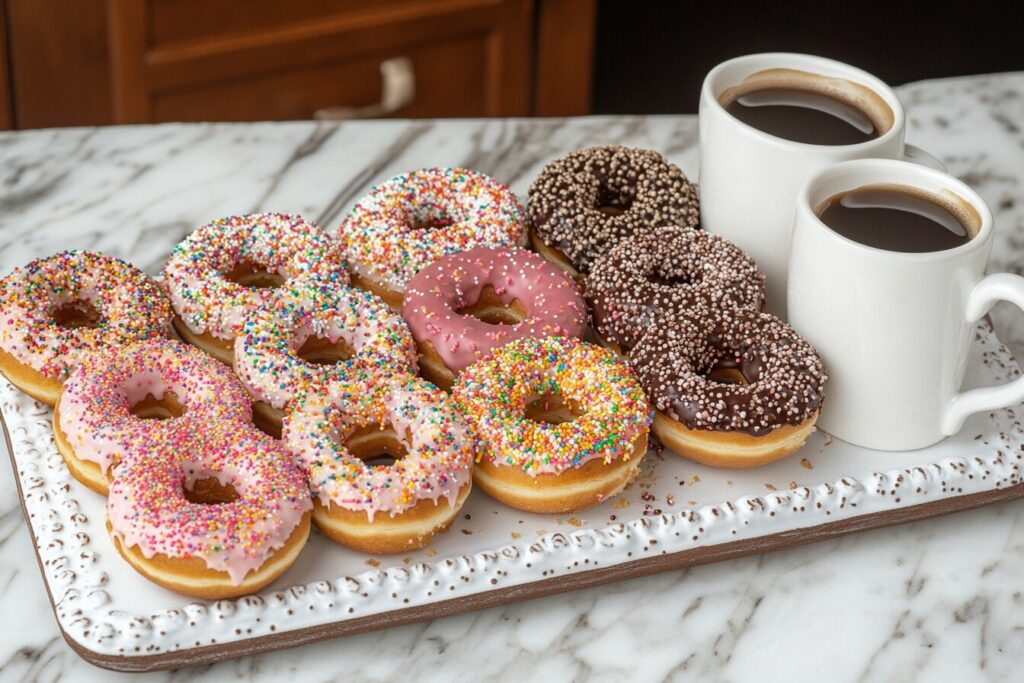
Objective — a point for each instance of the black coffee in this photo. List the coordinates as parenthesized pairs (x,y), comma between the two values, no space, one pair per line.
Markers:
(803,116)
(895,219)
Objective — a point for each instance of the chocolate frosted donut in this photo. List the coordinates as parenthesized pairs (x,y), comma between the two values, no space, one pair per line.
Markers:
(581,205)
(739,391)
(668,272)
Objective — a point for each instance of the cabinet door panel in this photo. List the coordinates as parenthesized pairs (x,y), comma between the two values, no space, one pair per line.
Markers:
(181,21)
(449,81)
(472,58)
(59,67)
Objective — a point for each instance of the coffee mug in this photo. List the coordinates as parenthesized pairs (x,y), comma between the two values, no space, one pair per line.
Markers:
(894,328)
(749,179)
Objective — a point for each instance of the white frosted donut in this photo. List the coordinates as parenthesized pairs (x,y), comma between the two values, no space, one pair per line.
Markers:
(413,219)
(574,456)
(56,311)
(211,308)
(390,508)
(266,353)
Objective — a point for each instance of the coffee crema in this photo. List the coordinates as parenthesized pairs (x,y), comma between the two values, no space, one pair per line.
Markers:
(900,218)
(808,108)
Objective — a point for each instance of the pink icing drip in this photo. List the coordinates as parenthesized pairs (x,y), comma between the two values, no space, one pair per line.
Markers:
(147,507)
(95,404)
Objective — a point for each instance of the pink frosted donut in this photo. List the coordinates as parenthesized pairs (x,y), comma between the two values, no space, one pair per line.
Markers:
(204,272)
(410,221)
(94,423)
(55,311)
(390,508)
(213,513)
(507,283)
(267,353)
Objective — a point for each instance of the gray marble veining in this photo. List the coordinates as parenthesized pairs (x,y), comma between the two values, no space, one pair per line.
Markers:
(936,600)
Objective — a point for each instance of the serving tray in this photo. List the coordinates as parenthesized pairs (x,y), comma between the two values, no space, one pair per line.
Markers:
(675,514)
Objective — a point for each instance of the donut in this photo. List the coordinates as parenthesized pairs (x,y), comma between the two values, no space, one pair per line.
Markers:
(312,335)
(742,391)
(581,205)
(464,305)
(117,399)
(212,513)
(56,311)
(667,272)
(382,508)
(218,276)
(412,220)
(561,424)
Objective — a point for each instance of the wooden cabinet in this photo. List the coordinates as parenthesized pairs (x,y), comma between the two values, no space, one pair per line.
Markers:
(6,108)
(138,61)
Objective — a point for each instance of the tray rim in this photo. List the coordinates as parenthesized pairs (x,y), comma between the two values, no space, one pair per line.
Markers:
(951,499)
(209,654)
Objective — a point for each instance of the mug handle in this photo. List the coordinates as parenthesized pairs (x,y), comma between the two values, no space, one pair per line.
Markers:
(919,156)
(988,292)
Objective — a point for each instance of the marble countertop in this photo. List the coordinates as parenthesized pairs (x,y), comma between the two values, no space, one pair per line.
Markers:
(936,600)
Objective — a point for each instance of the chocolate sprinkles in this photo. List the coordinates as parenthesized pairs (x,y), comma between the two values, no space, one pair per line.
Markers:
(783,377)
(668,272)
(586,202)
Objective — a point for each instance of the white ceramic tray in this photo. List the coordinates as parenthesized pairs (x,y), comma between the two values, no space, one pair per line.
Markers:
(675,514)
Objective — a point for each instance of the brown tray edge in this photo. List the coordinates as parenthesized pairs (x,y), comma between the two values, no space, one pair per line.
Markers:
(594,577)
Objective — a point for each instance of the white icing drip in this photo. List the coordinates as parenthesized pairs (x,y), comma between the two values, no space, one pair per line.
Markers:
(438,443)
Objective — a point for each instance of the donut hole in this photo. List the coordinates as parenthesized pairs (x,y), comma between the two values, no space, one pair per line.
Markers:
(428,217)
(267,419)
(74,315)
(490,309)
(376,445)
(550,408)
(166,407)
(722,374)
(323,351)
(209,491)
(614,202)
(382,460)
(254,276)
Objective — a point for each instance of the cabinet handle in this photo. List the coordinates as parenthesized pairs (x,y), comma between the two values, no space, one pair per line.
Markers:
(398,89)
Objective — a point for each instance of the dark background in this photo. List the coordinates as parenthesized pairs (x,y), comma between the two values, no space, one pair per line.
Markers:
(651,57)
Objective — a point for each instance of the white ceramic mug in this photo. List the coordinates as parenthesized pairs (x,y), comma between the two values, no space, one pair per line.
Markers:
(749,179)
(894,328)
